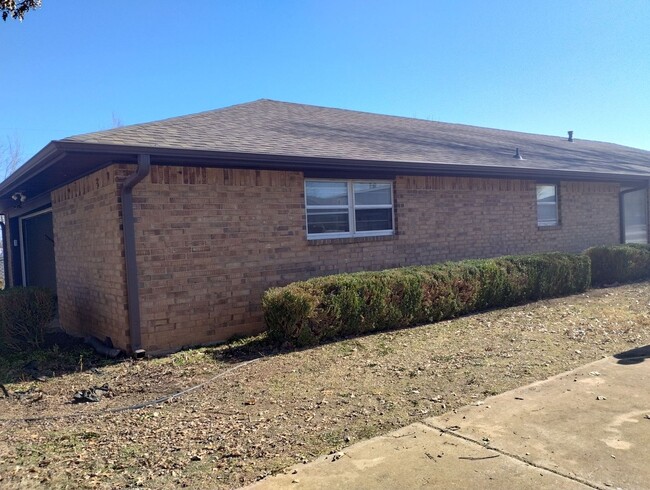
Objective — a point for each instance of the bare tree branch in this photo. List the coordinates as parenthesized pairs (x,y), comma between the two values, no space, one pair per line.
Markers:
(117,121)
(11,156)
(17,9)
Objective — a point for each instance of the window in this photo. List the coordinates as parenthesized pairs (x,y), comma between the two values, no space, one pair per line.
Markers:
(547,214)
(348,208)
(635,215)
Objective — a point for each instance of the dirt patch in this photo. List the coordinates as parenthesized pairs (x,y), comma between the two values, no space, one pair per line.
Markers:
(287,407)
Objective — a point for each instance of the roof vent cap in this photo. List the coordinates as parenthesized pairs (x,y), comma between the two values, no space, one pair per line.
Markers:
(570,133)
(517,155)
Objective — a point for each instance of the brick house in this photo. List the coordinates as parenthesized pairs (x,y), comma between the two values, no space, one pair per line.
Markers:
(166,234)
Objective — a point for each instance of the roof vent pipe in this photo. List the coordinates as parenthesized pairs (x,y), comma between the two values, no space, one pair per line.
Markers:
(517,155)
(570,133)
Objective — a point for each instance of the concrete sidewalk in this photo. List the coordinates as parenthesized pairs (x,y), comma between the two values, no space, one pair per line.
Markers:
(587,428)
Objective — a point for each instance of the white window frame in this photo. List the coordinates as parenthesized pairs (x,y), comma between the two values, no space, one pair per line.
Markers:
(556,204)
(351,206)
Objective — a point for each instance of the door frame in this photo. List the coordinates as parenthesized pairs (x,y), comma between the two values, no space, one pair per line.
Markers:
(22,240)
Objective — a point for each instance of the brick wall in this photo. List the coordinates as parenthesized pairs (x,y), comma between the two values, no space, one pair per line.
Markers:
(89,256)
(444,218)
(210,241)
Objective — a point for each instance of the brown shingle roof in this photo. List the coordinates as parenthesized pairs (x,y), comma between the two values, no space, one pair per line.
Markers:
(278,128)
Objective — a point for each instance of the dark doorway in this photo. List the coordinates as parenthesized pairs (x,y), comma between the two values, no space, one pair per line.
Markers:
(37,239)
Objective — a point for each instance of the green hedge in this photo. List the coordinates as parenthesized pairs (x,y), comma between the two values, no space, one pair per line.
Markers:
(25,313)
(306,313)
(619,263)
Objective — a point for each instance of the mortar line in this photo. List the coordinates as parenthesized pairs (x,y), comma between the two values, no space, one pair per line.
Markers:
(515,456)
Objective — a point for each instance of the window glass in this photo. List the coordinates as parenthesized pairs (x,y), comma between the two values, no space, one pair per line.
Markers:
(345,208)
(547,205)
(635,217)
(372,194)
(327,193)
(374,219)
(546,215)
(546,193)
(327,220)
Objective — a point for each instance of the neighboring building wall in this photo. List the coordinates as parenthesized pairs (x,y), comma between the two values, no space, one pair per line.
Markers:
(210,241)
(89,256)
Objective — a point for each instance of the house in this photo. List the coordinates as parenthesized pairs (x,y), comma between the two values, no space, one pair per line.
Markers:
(166,234)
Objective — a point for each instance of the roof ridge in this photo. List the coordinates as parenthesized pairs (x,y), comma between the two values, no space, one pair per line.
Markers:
(379,115)
(268,126)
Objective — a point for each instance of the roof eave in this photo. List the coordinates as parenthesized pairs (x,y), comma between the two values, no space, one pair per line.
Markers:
(46,157)
(299,163)
(58,150)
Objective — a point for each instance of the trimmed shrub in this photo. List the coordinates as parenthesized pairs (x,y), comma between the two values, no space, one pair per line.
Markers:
(308,312)
(551,275)
(619,263)
(25,313)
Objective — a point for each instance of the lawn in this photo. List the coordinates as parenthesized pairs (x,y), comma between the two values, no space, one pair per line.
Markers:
(262,409)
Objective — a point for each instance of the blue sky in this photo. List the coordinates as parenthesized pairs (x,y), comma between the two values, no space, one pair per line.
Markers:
(535,66)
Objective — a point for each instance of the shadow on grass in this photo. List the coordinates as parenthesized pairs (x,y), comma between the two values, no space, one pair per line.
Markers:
(633,356)
(61,355)
(259,346)
(247,348)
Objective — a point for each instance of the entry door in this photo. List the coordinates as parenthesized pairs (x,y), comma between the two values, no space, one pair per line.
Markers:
(37,240)
(635,216)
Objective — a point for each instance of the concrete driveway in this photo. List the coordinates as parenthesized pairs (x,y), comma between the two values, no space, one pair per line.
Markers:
(587,428)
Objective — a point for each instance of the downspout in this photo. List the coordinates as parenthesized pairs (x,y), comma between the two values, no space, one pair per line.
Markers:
(128,229)
(5,259)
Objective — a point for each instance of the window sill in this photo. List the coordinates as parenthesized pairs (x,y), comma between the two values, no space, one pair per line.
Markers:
(549,227)
(344,240)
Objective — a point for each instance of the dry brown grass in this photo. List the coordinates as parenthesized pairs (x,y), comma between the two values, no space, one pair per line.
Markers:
(293,406)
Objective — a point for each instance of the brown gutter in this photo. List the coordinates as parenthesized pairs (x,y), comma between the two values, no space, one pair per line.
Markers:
(57,152)
(5,260)
(128,229)
(261,161)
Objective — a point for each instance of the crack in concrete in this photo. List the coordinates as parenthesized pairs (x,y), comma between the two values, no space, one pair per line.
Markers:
(576,479)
